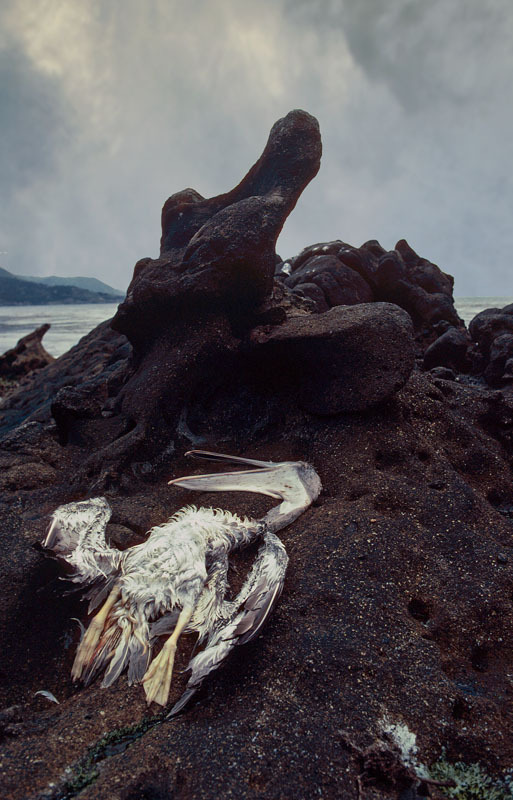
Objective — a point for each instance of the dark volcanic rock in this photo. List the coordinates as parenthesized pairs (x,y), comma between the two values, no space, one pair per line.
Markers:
(492,330)
(216,268)
(192,359)
(220,253)
(347,359)
(508,370)
(371,273)
(443,372)
(501,351)
(28,355)
(72,405)
(315,293)
(423,272)
(339,284)
(489,324)
(416,285)
(449,350)
(99,360)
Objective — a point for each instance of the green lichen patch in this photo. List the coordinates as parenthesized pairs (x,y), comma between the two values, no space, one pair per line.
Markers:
(471,782)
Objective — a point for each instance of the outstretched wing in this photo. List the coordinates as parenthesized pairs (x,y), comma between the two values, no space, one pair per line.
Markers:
(244,617)
(77,535)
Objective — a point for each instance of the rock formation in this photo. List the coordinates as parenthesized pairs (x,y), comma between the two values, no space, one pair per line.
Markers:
(335,273)
(492,331)
(347,359)
(99,363)
(188,316)
(26,356)
(395,618)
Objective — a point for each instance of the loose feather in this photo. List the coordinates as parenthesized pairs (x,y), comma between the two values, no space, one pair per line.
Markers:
(47,695)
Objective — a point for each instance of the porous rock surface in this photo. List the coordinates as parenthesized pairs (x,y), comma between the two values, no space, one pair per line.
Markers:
(492,331)
(397,605)
(336,273)
(347,359)
(398,600)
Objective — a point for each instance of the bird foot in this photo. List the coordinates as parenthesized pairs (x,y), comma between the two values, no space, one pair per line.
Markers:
(157,680)
(86,648)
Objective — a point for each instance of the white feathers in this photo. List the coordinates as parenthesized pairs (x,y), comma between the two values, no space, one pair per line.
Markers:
(77,535)
(240,620)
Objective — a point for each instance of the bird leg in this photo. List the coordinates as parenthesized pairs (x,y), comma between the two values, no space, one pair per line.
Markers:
(87,646)
(157,680)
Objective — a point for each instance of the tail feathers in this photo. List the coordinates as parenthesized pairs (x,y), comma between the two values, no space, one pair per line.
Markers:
(118,660)
(139,657)
(124,643)
(102,655)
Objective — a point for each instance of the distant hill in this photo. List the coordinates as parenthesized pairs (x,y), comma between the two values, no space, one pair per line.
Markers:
(92,284)
(15,291)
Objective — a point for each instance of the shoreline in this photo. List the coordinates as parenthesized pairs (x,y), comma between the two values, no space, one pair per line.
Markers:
(19,320)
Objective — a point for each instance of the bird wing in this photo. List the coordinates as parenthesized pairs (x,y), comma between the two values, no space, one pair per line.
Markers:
(76,534)
(244,617)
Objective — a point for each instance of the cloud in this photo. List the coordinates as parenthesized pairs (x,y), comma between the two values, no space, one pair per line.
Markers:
(36,129)
(112,106)
(33,122)
(426,132)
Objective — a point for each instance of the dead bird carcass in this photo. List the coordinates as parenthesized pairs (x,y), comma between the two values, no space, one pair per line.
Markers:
(176,581)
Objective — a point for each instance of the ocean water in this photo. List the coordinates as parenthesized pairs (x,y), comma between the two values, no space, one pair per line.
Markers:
(468,307)
(68,323)
(71,322)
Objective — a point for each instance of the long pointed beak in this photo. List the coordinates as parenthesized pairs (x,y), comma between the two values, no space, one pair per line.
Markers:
(248,480)
(208,456)
(294,483)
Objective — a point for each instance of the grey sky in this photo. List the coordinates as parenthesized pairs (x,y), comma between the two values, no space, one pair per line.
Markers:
(110,106)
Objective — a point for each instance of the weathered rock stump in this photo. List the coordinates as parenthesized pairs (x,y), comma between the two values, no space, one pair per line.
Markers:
(26,356)
(218,254)
(185,311)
